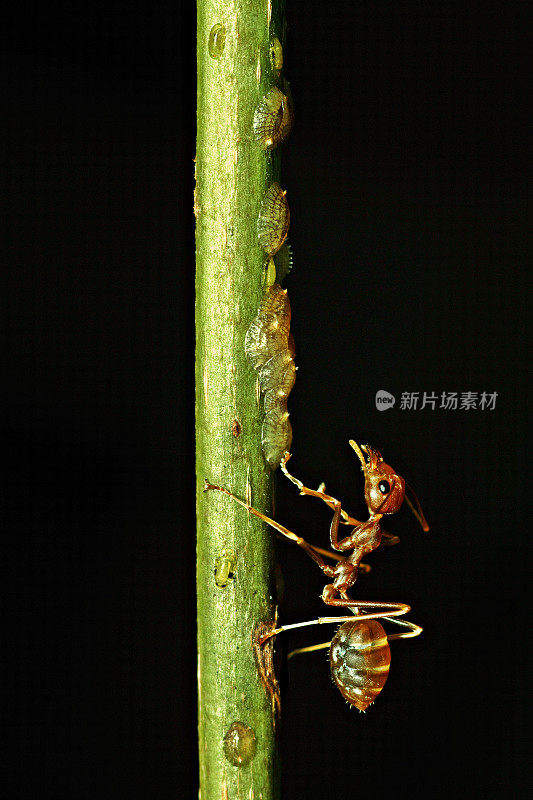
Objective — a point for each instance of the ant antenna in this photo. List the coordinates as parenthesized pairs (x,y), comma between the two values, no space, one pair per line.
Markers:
(417,511)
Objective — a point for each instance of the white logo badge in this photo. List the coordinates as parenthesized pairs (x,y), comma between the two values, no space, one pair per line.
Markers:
(384,400)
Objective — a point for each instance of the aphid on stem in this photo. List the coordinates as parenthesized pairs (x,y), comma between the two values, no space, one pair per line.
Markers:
(283,261)
(273,119)
(274,219)
(276,55)
(270,348)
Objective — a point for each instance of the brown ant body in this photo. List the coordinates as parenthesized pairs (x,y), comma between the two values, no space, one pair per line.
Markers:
(359,652)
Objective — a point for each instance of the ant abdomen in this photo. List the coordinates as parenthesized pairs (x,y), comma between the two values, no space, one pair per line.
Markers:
(360,659)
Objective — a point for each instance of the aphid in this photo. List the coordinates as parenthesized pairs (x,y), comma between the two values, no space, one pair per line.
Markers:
(274,219)
(269,332)
(283,261)
(277,377)
(240,744)
(217,40)
(276,434)
(273,119)
(384,494)
(224,568)
(276,55)
(270,348)
(270,277)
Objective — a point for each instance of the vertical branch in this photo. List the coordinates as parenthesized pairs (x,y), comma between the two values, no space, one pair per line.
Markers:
(232,172)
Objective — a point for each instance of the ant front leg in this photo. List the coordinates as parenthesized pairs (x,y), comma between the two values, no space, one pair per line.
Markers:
(361,530)
(320,493)
(389,539)
(309,549)
(348,542)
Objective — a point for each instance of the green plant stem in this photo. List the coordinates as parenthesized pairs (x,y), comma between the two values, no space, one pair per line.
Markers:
(232,174)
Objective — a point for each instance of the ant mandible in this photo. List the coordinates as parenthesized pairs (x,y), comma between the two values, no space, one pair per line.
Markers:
(359,651)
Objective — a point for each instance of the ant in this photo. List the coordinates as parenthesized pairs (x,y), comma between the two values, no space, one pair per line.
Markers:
(359,652)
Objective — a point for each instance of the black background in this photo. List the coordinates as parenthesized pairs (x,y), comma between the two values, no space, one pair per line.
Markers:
(406,179)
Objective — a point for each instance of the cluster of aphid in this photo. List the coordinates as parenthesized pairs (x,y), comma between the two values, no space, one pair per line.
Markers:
(359,652)
(270,347)
(269,344)
(274,116)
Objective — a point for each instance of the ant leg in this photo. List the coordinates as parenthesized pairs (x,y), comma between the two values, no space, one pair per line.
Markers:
(309,549)
(326,498)
(413,630)
(389,539)
(388,612)
(330,554)
(345,519)
(274,631)
(388,609)
(347,543)
(310,649)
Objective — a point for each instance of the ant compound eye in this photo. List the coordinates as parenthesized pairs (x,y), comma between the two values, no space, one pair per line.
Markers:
(384,487)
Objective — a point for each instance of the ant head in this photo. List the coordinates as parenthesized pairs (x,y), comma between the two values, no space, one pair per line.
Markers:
(384,488)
